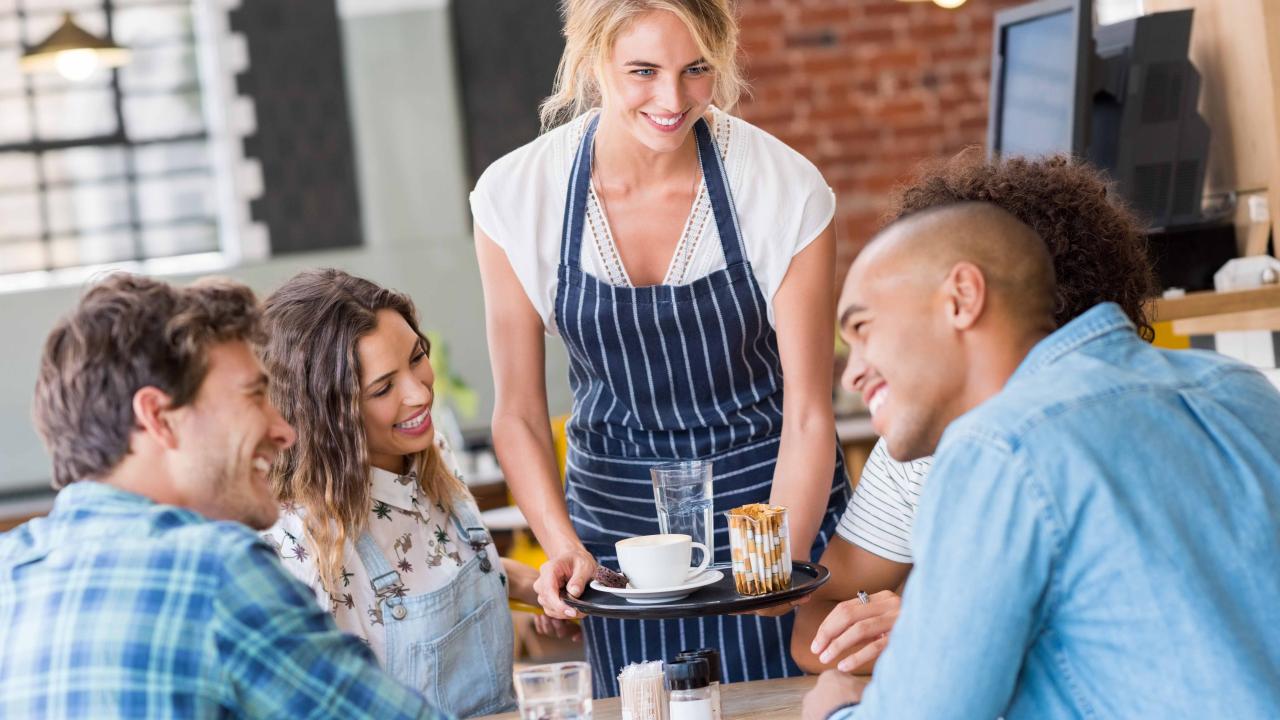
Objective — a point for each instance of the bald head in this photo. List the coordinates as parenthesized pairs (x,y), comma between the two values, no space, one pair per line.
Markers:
(938,311)
(925,247)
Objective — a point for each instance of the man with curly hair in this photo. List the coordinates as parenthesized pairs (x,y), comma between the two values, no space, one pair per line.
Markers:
(1099,254)
(1099,532)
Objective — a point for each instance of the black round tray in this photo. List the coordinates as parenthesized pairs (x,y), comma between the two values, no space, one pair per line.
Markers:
(720,598)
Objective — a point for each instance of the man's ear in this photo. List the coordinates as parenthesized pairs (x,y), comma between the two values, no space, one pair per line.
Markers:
(966,295)
(152,415)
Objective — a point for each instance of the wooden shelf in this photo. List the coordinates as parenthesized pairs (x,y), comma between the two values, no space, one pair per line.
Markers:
(1204,304)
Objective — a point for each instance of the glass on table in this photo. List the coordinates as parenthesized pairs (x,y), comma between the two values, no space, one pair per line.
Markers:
(559,691)
(683,494)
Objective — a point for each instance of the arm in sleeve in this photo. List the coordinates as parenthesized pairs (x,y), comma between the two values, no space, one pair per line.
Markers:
(881,513)
(985,540)
(284,657)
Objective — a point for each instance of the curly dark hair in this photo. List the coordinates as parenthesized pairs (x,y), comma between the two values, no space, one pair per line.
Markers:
(129,332)
(1098,245)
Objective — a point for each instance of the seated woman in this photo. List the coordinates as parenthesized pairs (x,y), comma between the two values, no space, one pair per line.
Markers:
(374,517)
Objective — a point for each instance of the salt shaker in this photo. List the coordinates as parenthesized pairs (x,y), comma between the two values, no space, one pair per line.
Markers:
(712,656)
(689,683)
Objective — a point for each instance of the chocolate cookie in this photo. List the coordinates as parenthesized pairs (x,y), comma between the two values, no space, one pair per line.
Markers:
(610,578)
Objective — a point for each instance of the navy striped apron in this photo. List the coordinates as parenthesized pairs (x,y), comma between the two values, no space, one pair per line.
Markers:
(666,373)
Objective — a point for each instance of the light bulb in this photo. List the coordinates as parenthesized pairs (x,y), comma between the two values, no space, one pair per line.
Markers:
(948,4)
(76,65)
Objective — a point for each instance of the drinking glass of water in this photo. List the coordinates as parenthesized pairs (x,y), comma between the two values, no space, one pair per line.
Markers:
(560,691)
(682,491)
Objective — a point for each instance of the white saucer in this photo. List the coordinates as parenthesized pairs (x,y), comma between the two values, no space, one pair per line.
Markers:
(661,595)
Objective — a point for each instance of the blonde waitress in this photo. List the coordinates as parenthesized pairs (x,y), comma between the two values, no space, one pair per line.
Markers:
(685,258)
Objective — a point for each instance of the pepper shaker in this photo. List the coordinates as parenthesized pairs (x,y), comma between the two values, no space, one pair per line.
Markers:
(688,683)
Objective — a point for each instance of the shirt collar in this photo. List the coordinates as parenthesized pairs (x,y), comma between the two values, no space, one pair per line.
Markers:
(99,497)
(1097,322)
(396,490)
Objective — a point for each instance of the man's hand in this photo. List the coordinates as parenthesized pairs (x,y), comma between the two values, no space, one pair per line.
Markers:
(834,689)
(569,571)
(856,634)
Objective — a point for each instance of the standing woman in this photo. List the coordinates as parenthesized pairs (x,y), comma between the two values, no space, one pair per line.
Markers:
(375,519)
(686,260)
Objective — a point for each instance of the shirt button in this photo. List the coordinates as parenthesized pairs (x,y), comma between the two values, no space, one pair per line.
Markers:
(398,612)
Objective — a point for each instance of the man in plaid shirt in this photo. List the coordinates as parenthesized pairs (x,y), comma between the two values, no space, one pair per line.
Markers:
(146,592)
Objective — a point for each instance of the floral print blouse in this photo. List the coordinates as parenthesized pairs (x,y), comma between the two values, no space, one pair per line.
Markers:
(416,536)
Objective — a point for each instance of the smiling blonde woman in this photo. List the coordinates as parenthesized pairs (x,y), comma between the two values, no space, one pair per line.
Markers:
(684,258)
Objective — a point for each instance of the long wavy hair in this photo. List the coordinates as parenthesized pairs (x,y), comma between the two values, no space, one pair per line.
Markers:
(314,322)
(592,26)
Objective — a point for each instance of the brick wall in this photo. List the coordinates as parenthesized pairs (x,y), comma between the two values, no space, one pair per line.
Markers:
(867,89)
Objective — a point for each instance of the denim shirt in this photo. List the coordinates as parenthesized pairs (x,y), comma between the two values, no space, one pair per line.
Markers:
(1100,539)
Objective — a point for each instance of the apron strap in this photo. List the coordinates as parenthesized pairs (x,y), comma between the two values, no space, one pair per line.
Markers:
(713,173)
(575,204)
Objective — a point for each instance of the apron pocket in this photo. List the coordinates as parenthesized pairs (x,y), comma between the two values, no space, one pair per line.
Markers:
(456,671)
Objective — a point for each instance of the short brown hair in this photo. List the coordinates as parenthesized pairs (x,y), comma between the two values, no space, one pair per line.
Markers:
(1098,245)
(127,333)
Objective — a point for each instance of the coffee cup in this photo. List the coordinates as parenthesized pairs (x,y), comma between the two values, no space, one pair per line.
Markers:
(651,562)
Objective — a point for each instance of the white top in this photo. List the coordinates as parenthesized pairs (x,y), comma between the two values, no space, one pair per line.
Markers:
(418,539)
(882,511)
(783,204)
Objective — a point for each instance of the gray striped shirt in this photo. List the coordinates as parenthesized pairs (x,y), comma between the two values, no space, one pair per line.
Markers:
(879,517)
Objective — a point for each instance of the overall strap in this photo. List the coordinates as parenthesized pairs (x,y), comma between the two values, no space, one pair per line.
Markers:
(472,531)
(575,205)
(713,173)
(381,575)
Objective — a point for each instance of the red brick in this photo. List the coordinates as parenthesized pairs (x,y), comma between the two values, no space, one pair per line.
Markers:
(887,8)
(894,60)
(838,14)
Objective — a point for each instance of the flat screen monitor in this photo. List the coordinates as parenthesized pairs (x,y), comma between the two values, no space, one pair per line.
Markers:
(1040,74)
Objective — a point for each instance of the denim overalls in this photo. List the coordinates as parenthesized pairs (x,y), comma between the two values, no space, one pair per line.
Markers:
(454,645)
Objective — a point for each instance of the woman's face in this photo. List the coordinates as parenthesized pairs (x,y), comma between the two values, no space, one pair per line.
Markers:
(656,82)
(395,392)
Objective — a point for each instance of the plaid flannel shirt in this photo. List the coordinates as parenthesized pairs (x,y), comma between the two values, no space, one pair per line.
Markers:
(116,607)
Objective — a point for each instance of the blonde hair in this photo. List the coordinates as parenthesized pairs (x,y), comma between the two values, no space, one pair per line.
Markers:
(314,322)
(592,26)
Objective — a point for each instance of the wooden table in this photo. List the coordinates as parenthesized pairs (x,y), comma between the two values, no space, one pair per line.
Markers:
(759,700)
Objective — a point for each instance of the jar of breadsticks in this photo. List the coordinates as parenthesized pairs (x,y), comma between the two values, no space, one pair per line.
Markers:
(760,543)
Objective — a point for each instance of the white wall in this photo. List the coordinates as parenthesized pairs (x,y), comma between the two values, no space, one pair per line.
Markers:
(413,186)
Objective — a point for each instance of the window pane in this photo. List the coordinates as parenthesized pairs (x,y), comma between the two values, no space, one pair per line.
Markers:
(84,163)
(21,256)
(92,249)
(10,76)
(162,116)
(160,68)
(174,198)
(17,171)
(15,123)
(21,213)
(88,207)
(171,157)
(79,114)
(180,239)
(8,29)
(150,25)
